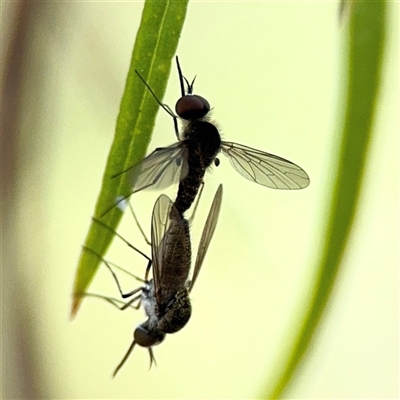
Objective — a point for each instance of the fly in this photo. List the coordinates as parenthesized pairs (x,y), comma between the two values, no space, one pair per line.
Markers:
(165,297)
(197,148)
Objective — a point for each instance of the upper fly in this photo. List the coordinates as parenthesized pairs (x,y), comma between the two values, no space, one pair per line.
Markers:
(199,143)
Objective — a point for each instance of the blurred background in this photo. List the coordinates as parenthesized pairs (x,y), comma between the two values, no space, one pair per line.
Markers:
(271,72)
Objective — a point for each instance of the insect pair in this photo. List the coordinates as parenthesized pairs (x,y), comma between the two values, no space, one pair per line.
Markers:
(165,297)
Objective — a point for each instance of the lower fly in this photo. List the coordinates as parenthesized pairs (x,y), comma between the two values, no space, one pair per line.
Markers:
(165,297)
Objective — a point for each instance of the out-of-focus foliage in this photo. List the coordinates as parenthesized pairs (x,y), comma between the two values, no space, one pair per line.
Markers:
(364,48)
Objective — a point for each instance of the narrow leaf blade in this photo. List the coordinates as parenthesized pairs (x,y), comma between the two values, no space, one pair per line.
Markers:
(155,45)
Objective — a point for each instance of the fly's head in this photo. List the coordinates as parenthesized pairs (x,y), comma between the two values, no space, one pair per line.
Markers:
(192,106)
(146,337)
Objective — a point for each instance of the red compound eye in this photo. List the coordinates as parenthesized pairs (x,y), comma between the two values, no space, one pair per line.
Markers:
(192,107)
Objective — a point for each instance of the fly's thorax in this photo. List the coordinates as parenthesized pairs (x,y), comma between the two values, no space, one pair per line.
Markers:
(203,142)
(177,313)
(148,299)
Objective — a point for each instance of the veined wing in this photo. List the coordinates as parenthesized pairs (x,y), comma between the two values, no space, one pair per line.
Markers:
(264,168)
(160,169)
(167,231)
(206,236)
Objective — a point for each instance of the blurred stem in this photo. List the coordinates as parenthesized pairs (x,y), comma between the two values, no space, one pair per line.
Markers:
(21,377)
(365,43)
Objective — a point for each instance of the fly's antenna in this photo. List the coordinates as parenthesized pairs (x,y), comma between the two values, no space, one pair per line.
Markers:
(126,356)
(181,77)
(190,85)
(128,353)
(152,358)
(162,105)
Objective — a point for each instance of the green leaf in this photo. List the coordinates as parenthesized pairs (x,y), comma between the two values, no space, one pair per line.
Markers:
(365,43)
(155,45)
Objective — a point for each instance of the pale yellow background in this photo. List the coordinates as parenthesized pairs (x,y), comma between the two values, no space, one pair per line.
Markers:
(271,72)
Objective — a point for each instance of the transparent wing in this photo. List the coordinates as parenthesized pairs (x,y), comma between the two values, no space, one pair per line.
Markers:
(160,169)
(208,232)
(160,222)
(264,168)
(167,227)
